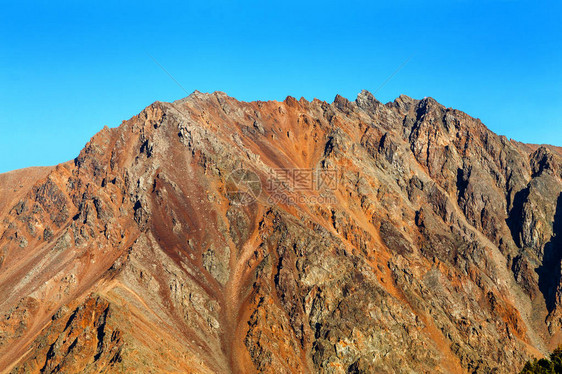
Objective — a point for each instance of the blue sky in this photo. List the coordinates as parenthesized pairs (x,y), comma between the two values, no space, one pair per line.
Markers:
(68,68)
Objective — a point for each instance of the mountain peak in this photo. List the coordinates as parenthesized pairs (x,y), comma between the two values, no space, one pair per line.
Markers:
(217,235)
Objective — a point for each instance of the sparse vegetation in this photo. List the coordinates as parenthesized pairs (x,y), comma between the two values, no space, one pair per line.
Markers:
(545,366)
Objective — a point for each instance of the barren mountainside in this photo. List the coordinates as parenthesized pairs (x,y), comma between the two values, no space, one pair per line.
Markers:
(211,235)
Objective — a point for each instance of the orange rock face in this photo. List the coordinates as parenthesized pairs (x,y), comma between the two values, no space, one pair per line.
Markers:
(210,235)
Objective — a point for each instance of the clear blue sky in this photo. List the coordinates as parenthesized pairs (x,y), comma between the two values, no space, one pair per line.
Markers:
(67,68)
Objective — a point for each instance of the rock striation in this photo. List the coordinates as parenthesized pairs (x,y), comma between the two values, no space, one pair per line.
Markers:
(437,249)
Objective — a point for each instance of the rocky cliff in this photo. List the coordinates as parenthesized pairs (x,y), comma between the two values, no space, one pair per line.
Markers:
(211,235)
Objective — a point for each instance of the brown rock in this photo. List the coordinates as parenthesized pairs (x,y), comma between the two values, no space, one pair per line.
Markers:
(437,250)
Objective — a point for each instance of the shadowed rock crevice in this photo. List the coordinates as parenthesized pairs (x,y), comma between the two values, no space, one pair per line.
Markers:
(550,276)
(515,217)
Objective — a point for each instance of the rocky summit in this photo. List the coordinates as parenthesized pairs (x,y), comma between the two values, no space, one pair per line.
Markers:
(211,235)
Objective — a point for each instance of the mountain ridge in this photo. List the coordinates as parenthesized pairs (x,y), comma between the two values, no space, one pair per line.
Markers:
(444,230)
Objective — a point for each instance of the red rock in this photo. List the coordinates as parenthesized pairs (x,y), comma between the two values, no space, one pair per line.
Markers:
(435,252)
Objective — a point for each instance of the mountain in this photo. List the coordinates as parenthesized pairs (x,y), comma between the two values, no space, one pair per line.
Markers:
(211,235)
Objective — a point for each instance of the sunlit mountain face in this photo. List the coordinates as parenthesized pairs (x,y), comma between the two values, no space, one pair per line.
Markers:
(211,235)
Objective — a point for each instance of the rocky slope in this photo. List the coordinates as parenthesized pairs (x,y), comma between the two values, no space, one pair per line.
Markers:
(210,235)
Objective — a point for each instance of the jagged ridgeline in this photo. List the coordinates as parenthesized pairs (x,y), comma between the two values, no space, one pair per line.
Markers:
(211,235)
